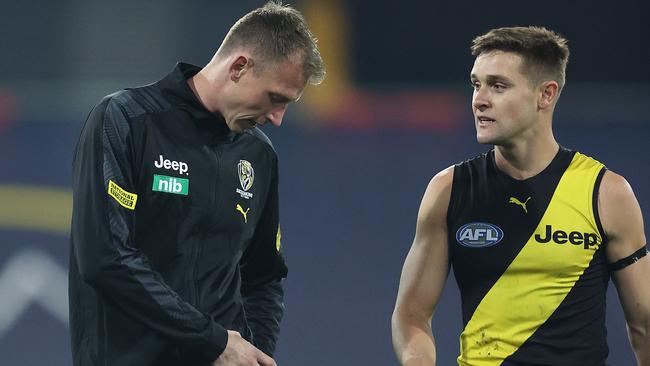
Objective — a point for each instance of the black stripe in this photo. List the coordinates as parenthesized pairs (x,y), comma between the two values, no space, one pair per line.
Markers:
(575,333)
(631,259)
(595,205)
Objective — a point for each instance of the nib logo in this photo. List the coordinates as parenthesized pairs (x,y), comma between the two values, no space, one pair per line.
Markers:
(163,183)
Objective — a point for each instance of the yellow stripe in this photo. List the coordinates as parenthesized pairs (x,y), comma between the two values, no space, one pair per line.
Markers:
(44,209)
(278,239)
(539,278)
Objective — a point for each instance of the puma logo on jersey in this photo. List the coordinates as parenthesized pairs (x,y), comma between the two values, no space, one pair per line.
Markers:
(179,166)
(244,213)
(519,203)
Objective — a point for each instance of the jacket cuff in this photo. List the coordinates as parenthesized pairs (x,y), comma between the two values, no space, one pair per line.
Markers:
(216,344)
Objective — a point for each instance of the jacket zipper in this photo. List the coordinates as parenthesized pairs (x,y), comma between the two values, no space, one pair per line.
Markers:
(196,251)
(196,255)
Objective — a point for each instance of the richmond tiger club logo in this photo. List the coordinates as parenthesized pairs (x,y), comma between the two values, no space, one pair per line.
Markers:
(246,175)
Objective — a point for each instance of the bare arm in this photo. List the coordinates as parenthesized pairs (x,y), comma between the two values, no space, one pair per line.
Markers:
(623,223)
(423,277)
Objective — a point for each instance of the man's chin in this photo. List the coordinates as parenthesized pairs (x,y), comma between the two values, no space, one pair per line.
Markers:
(247,124)
(242,126)
(484,140)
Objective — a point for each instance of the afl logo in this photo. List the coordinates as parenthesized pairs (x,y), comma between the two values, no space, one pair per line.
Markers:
(479,235)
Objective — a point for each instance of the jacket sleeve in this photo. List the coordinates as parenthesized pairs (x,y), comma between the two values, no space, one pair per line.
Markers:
(263,268)
(102,242)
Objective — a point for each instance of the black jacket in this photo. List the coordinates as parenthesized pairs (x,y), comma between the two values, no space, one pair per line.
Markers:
(175,232)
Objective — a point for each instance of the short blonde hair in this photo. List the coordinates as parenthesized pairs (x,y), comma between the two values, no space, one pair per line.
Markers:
(276,32)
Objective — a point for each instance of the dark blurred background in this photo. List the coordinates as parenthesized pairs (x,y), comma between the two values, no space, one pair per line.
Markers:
(356,154)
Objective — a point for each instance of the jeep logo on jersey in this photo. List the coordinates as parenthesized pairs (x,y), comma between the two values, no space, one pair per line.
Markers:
(179,166)
(246,174)
(163,183)
(479,235)
(587,240)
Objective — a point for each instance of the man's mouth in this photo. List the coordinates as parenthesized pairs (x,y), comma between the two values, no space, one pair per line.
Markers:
(483,120)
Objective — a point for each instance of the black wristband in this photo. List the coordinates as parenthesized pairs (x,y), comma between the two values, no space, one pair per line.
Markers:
(631,259)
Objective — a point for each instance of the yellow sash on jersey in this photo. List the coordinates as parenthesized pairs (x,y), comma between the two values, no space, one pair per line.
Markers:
(541,275)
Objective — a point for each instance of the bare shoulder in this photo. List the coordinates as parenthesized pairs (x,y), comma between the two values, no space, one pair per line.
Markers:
(620,215)
(441,182)
(615,199)
(436,198)
(614,186)
(444,176)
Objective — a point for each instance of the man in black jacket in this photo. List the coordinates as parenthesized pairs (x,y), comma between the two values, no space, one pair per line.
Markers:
(175,240)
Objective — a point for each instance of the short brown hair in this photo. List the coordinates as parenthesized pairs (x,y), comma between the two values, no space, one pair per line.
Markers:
(276,32)
(544,52)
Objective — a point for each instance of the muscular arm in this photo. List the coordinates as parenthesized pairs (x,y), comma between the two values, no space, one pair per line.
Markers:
(423,277)
(623,224)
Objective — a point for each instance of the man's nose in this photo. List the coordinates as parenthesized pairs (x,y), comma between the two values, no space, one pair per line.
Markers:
(480,99)
(276,114)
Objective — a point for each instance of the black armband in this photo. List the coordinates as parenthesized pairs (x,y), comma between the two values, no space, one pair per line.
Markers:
(631,259)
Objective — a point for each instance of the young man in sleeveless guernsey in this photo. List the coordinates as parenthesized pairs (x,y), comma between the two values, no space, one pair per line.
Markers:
(532,230)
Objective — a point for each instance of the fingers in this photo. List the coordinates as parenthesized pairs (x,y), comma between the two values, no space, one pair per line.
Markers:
(265,360)
(239,352)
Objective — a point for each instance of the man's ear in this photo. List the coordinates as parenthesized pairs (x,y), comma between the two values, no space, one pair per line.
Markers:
(548,94)
(239,67)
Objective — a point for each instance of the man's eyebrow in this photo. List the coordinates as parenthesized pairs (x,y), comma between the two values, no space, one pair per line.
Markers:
(280,98)
(491,79)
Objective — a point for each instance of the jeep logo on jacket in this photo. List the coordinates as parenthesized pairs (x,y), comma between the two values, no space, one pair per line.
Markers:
(179,166)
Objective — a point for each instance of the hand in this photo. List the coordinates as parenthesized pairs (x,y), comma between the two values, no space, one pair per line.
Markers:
(239,352)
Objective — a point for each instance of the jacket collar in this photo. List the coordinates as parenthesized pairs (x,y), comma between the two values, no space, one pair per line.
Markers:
(175,87)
